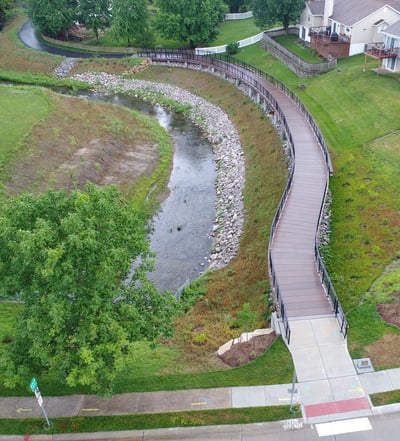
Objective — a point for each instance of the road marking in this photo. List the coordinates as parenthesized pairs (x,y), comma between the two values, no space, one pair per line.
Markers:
(345,426)
(21,409)
(357,389)
(200,403)
(90,410)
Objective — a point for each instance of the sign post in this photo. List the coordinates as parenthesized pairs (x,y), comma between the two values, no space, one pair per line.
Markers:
(35,389)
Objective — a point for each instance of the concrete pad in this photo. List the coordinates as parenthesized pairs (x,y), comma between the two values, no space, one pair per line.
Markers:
(374,382)
(302,334)
(93,405)
(308,363)
(313,392)
(68,406)
(251,396)
(19,407)
(150,402)
(346,388)
(394,376)
(326,331)
(123,404)
(280,394)
(336,360)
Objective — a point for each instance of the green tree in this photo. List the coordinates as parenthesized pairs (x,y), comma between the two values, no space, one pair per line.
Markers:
(130,20)
(52,17)
(238,5)
(192,21)
(5,9)
(66,255)
(270,12)
(96,14)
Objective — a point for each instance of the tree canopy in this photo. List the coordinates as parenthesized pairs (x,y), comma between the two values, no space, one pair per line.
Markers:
(52,16)
(66,256)
(5,8)
(131,21)
(192,21)
(270,12)
(96,14)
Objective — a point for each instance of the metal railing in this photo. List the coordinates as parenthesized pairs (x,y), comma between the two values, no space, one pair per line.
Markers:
(326,280)
(252,76)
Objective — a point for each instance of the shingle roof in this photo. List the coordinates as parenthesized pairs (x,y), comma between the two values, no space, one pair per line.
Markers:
(394,29)
(350,12)
(316,7)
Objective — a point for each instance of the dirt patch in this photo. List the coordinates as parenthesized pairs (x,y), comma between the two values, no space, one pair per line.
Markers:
(82,142)
(385,352)
(390,312)
(242,353)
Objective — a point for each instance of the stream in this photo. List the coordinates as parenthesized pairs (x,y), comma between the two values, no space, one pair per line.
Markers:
(182,228)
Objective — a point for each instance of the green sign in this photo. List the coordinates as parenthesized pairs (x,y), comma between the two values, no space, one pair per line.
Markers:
(33,384)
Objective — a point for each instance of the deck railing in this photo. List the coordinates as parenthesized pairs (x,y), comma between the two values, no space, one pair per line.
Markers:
(240,71)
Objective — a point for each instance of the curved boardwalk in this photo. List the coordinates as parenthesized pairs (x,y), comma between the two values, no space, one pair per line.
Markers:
(294,239)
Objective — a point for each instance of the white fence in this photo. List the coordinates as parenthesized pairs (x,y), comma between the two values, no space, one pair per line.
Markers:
(240,16)
(222,49)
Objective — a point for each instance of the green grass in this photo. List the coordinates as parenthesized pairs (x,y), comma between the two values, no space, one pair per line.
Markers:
(295,45)
(273,367)
(235,30)
(146,421)
(383,398)
(20,110)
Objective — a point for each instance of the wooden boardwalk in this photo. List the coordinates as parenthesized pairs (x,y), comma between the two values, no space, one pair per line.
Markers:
(292,248)
(293,244)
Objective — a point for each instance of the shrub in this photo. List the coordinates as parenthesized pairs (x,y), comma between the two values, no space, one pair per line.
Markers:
(232,48)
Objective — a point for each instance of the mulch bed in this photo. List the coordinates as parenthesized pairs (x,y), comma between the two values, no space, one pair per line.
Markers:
(242,353)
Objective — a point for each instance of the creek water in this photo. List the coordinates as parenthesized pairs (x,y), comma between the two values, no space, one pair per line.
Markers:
(181,233)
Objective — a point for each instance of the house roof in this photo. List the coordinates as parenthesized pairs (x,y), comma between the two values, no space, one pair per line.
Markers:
(350,12)
(393,30)
(316,7)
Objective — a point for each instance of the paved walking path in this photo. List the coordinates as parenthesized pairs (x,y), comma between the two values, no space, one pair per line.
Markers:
(323,392)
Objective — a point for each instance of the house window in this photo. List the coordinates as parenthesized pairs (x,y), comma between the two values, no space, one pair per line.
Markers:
(309,18)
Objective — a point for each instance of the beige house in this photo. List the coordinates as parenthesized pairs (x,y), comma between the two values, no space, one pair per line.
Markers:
(392,40)
(329,24)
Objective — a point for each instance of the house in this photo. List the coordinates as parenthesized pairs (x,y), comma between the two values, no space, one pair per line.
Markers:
(392,41)
(341,28)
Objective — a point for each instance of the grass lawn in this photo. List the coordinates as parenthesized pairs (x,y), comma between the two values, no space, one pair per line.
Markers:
(295,45)
(20,110)
(147,421)
(235,30)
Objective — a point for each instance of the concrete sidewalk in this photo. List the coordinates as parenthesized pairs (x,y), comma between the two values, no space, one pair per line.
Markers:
(306,393)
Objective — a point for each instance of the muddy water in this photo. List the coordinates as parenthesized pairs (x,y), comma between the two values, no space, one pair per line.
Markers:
(182,228)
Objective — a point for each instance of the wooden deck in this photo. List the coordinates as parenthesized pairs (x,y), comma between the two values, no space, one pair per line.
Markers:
(294,239)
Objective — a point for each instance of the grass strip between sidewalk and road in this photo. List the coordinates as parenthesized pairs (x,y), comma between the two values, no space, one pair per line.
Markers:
(146,421)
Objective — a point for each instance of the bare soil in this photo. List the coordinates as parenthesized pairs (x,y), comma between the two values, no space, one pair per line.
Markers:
(390,312)
(385,352)
(242,353)
(82,141)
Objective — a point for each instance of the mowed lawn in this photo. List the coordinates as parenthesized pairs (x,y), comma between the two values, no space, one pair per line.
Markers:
(20,110)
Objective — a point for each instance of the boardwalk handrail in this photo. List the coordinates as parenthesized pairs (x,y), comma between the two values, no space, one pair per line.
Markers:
(326,280)
(244,72)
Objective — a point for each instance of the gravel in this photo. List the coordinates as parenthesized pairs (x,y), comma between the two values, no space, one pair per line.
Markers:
(228,153)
